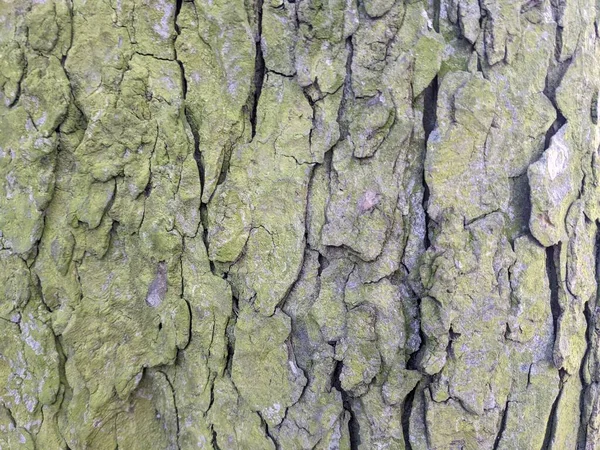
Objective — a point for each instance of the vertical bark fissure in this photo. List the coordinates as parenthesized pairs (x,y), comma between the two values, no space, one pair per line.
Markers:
(259,67)
(406,412)
(556,72)
(552,274)
(583,399)
(347,93)
(552,418)
(590,318)
(183,296)
(214,442)
(197,153)
(436,15)
(502,426)
(429,124)
(353,425)
(230,335)
(557,7)
(172,389)
(268,433)
(430,107)
(187,112)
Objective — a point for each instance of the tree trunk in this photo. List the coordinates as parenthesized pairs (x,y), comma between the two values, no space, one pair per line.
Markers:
(299,224)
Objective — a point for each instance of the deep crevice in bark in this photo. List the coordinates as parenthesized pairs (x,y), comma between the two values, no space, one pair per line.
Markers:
(225,165)
(552,273)
(556,72)
(556,125)
(552,418)
(230,335)
(214,441)
(590,318)
(204,223)
(583,423)
(195,135)
(554,76)
(268,432)
(594,107)
(406,412)
(347,93)
(353,425)
(502,426)
(259,67)
(430,96)
(189,306)
(558,8)
(436,15)
(430,107)
(187,113)
(415,359)
(178,5)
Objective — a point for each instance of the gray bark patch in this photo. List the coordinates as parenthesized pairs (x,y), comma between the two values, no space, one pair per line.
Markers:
(158,287)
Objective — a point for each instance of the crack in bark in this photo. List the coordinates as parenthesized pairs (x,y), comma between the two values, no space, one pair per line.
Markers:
(353,425)
(259,68)
(552,418)
(405,417)
(268,432)
(174,406)
(214,441)
(347,92)
(229,332)
(502,426)
(552,274)
(430,96)
(590,318)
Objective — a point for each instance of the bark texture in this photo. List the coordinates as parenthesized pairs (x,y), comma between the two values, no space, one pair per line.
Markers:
(299,224)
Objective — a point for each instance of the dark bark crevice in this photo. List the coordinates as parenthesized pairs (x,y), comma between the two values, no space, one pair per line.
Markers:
(259,68)
(552,274)
(502,426)
(353,425)
(430,97)
(556,125)
(590,334)
(406,412)
(214,441)
(347,93)
(552,418)
(268,433)
(230,335)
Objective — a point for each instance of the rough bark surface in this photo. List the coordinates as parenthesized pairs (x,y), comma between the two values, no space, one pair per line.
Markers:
(299,224)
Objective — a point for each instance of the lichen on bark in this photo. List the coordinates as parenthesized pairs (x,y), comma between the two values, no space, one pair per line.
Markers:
(299,224)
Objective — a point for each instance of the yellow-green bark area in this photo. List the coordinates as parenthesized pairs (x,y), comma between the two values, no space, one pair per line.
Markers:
(299,224)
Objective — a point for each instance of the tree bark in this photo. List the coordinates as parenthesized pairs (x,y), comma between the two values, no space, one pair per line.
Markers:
(299,224)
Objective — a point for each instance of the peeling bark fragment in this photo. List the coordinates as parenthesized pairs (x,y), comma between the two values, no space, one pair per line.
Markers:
(277,39)
(266,375)
(11,69)
(456,163)
(553,181)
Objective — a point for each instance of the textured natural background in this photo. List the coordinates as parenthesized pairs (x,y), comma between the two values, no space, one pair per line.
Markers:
(309,224)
